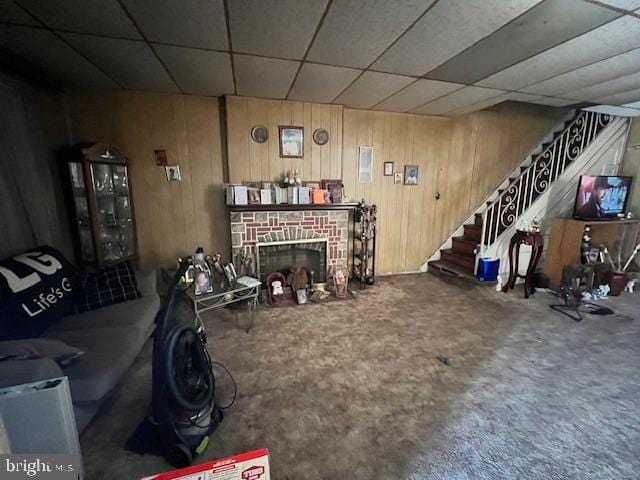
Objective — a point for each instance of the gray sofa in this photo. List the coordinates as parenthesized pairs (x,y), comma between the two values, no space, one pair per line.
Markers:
(111,338)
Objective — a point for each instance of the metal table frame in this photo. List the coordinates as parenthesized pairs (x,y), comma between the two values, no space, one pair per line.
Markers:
(216,299)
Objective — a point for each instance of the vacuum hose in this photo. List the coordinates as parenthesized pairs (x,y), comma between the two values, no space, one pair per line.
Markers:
(189,377)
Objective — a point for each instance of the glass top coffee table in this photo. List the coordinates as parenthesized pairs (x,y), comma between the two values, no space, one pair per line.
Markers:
(247,289)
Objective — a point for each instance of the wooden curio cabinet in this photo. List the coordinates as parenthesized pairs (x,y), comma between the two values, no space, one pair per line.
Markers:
(101,202)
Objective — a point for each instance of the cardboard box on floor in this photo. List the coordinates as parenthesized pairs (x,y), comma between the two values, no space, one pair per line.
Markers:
(246,466)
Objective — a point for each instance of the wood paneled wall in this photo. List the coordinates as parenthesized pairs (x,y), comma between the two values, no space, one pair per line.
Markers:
(249,160)
(462,158)
(172,218)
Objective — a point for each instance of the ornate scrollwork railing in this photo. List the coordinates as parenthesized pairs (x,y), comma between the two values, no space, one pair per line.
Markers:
(543,171)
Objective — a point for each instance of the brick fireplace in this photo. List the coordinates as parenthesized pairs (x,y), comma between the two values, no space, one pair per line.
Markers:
(298,227)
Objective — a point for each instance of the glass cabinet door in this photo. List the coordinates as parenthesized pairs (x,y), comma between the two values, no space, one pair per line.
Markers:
(111,186)
(82,211)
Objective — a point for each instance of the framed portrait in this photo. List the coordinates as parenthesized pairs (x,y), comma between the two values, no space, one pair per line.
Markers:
(411,174)
(397,177)
(173,173)
(333,189)
(388,169)
(291,141)
(365,164)
(230,273)
(312,184)
(203,282)
(301,296)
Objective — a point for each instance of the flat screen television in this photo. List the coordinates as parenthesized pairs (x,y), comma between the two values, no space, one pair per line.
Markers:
(601,197)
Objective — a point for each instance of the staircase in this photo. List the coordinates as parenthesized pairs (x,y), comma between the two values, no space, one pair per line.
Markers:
(520,189)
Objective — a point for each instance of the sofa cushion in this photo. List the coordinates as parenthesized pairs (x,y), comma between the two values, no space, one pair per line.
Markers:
(107,286)
(36,290)
(31,348)
(109,354)
(137,314)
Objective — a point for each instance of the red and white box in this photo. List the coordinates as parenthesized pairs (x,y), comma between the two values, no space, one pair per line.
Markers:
(246,466)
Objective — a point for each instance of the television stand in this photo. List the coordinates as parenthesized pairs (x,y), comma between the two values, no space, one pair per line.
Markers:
(565,242)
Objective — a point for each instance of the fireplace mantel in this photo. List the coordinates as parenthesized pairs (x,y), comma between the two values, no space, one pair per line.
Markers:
(291,207)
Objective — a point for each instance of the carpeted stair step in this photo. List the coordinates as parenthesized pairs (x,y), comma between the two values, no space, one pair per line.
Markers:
(472,233)
(448,270)
(478,219)
(464,262)
(464,247)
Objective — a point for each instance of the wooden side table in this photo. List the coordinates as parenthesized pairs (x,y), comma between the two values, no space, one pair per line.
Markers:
(536,241)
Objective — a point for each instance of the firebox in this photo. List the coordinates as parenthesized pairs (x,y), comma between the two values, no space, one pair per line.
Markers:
(280,256)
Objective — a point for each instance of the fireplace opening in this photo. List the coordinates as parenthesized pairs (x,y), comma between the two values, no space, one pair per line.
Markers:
(281,256)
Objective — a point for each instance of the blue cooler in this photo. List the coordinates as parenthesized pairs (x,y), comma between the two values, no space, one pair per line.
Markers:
(488,269)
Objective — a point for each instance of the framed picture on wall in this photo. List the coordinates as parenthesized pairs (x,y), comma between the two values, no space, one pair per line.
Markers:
(388,169)
(411,174)
(397,177)
(291,141)
(365,164)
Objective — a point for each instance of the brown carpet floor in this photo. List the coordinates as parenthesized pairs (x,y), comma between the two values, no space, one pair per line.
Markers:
(353,389)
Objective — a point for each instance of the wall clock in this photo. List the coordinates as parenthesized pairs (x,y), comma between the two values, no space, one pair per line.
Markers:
(260,134)
(320,136)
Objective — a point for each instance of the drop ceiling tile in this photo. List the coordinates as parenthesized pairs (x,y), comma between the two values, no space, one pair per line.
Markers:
(10,12)
(355,37)
(263,77)
(457,100)
(275,28)
(509,96)
(546,25)
(321,83)
(612,110)
(554,102)
(621,98)
(611,39)
(605,89)
(416,94)
(624,4)
(200,72)
(371,88)
(446,30)
(602,71)
(191,23)
(133,64)
(52,56)
(101,17)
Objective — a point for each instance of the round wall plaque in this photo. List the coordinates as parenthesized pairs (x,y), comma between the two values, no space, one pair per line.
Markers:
(320,136)
(260,134)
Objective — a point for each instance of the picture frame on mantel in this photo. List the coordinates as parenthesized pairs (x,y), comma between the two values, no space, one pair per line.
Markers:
(291,140)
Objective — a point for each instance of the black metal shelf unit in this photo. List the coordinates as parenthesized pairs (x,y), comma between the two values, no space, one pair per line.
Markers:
(364,244)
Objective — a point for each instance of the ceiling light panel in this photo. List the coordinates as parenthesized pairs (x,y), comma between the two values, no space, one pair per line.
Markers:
(546,25)
(275,28)
(371,88)
(446,30)
(98,17)
(355,34)
(321,83)
(417,94)
(191,23)
(611,39)
(263,77)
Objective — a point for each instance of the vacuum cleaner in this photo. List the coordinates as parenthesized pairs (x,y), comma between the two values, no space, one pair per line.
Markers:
(184,410)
